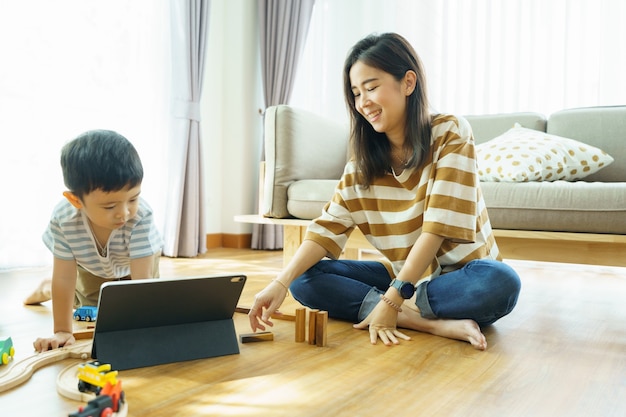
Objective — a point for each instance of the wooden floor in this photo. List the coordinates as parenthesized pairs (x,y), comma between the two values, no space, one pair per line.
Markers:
(562,352)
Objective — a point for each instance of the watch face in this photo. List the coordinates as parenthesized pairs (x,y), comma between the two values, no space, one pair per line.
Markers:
(407,290)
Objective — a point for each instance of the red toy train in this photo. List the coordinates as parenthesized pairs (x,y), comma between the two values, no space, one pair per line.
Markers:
(108,402)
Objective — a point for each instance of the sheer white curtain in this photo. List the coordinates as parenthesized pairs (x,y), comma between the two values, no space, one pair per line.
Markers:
(481,56)
(70,66)
(184,229)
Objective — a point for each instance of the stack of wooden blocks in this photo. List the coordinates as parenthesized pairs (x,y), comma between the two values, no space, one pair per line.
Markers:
(318,321)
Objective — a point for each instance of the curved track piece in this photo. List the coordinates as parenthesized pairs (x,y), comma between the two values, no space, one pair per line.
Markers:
(67,385)
(21,371)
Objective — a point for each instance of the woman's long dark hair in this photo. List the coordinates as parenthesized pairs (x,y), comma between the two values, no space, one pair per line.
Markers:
(393,54)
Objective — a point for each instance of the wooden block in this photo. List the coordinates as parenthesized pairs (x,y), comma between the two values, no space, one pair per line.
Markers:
(321,322)
(83,334)
(312,320)
(300,324)
(256,337)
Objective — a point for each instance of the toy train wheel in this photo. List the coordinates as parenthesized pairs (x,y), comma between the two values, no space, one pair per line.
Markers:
(121,400)
(107,412)
(5,358)
(12,352)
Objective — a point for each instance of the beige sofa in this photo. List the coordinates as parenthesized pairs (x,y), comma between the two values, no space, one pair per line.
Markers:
(582,221)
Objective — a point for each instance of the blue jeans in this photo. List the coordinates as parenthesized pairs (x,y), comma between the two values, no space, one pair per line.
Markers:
(483,290)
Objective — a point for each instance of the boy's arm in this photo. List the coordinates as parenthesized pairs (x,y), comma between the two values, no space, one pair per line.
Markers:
(63,287)
(142,268)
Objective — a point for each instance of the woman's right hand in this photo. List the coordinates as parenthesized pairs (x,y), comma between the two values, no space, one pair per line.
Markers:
(266,303)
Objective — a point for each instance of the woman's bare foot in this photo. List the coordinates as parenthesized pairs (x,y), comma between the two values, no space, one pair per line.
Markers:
(466,330)
(42,293)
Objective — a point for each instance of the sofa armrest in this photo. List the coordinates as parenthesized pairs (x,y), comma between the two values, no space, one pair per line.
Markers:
(299,145)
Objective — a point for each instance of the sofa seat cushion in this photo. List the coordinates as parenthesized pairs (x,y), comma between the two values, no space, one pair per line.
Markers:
(307,198)
(559,206)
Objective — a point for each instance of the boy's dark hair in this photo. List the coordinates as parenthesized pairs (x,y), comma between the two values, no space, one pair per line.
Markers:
(100,159)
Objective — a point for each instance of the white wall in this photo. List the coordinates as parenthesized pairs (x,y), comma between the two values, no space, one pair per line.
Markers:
(231,125)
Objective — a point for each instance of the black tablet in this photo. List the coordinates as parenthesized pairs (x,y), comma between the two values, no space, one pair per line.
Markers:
(156,321)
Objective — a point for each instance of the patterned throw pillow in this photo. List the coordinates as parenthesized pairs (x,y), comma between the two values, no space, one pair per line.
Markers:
(521,155)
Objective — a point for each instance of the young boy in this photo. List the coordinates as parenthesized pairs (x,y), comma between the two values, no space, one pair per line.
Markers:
(102,231)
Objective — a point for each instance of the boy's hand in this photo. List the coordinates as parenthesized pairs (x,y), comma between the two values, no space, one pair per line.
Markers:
(58,340)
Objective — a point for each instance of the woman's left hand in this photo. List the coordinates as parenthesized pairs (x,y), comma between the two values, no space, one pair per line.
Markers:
(382,323)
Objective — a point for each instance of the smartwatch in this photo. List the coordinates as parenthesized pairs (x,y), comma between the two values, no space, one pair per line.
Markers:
(406,289)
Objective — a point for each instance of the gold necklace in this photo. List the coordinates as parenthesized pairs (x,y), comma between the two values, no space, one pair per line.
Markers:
(402,161)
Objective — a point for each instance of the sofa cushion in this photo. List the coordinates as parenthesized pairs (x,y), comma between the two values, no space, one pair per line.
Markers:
(306,198)
(560,206)
(603,127)
(488,126)
(521,155)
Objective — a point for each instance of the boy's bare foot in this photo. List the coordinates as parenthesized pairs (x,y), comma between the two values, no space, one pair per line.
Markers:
(42,293)
(465,330)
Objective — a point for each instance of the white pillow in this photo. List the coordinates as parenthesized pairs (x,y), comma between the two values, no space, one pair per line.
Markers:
(521,155)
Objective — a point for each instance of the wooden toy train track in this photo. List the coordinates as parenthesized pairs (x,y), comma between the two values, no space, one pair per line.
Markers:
(20,371)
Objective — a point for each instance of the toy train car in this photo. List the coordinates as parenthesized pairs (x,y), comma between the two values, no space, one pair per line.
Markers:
(109,401)
(93,376)
(7,351)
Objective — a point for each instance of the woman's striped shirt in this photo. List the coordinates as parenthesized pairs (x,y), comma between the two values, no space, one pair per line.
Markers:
(442,197)
(69,238)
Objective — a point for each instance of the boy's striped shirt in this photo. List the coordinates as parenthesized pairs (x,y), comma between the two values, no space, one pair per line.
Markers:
(69,238)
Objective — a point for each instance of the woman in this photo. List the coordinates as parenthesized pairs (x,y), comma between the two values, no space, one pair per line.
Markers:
(411,187)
